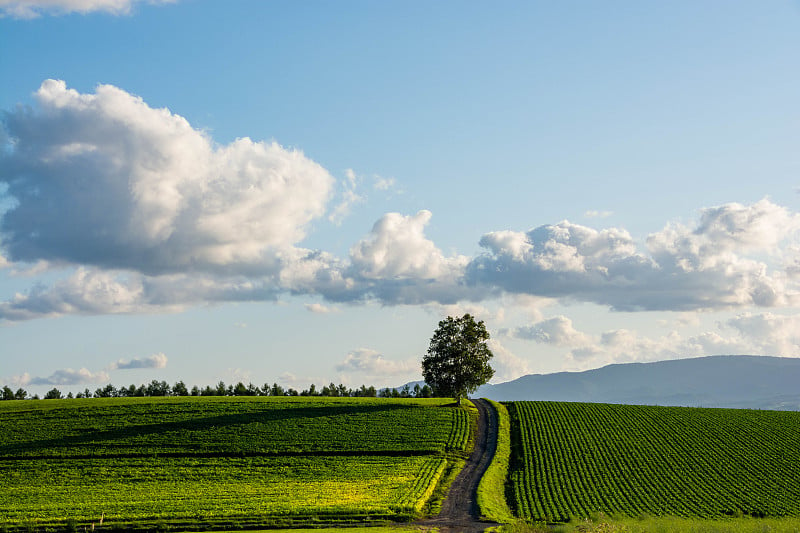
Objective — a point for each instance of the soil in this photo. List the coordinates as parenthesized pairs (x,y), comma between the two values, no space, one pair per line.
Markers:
(459,511)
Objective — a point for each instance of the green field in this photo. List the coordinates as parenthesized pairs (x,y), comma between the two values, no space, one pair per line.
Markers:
(574,460)
(218,461)
(234,462)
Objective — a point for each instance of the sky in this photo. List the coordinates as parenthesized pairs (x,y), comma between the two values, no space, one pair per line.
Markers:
(298,192)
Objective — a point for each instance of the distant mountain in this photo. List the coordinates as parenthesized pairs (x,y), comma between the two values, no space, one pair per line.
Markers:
(737,381)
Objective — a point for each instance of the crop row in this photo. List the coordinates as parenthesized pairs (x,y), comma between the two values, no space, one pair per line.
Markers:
(422,488)
(572,459)
(459,430)
(236,426)
(213,489)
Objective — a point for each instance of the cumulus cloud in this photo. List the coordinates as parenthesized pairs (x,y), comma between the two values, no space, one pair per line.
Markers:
(397,264)
(397,248)
(67,376)
(103,179)
(85,292)
(150,214)
(712,265)
(158,360)
(372,363)
(770,333)
(28,9)
(557,330)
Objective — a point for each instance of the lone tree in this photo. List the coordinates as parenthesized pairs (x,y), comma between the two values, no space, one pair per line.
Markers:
(457,361)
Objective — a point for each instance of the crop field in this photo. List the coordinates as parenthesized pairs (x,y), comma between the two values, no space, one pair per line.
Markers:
(573,460)
(183,461)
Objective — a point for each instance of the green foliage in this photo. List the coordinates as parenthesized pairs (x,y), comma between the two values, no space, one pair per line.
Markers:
(215,489)
(492,488)
(53,394)
(220,460)
(228,425)
(574,460)
(457,361)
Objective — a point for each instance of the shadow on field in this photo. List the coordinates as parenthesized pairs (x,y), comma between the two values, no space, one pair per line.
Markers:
(134,436)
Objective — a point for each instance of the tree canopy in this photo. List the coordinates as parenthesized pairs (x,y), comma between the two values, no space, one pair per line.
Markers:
(457,361)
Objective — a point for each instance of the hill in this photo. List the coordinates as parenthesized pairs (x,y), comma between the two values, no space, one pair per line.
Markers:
(733,381)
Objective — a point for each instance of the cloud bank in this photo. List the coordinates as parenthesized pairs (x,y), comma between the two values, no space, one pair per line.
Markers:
(711,265)
(152,215)
(745,334)
(66,376)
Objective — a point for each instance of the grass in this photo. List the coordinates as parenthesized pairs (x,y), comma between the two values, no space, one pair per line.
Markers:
(153,463)
(227,425)
(492,488)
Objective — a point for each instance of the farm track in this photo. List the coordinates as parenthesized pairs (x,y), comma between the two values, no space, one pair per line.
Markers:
(460,511)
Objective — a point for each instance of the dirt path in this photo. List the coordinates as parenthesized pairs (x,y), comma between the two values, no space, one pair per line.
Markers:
(460,507)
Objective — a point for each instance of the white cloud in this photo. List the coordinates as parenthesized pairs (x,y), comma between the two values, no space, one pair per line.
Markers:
(770,333)
(383,184)
(158,360)
(21,380)
(745,334)
(172,199)
(349,198)
(318,308)
(372,363)
(69,376)
(185,221)
(598,214)
(558,331)
(397,264)
(719,263)
(27,9)
(85,292)
(397,248)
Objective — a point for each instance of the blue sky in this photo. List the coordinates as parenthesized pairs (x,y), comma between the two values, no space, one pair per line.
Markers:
(300,191)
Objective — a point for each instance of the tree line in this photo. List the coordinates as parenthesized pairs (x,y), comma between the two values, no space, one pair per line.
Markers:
(456,364)
(162,388)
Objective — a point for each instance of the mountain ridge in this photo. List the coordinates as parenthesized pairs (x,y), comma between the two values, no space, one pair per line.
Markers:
(733,381)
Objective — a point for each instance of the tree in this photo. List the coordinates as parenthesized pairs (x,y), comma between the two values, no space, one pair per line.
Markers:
(158,388)
(109,391)
(53,394)
(179,389)
(457,361)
